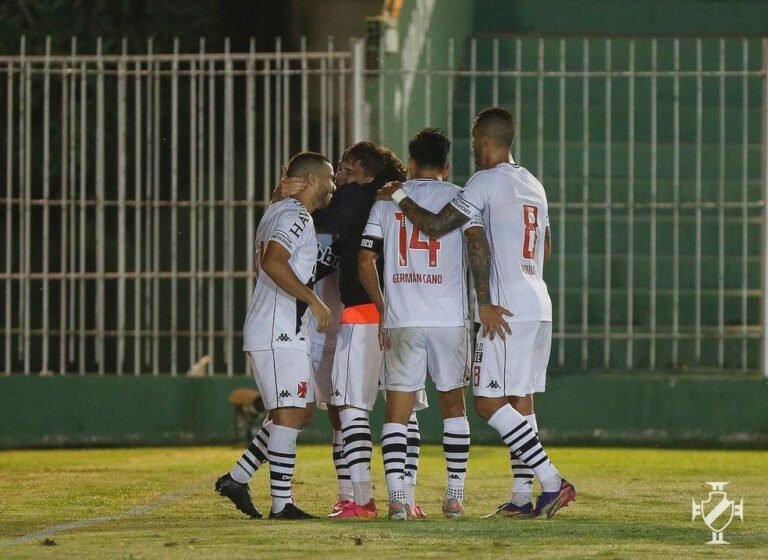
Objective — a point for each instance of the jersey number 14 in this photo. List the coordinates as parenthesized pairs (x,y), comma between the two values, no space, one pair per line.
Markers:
(415,242)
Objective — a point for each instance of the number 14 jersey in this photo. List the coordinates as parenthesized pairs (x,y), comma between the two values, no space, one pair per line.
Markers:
(425,279)
(513,207)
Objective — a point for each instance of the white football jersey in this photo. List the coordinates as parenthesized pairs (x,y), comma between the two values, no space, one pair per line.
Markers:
(274,317)
(425,280)
(513,207)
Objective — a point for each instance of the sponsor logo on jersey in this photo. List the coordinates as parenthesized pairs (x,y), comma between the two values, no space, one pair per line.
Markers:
(283,338)
(302,390)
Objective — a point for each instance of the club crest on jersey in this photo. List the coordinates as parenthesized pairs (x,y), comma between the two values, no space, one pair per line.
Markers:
(302,390)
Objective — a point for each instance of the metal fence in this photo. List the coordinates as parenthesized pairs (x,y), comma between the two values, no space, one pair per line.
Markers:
(134,183)
(133,186)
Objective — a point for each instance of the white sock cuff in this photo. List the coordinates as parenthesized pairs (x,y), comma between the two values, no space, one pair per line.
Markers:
(502,418)
(394,428)
(532,421)
(283,438)
(338,439)
(349,414)
(457,425)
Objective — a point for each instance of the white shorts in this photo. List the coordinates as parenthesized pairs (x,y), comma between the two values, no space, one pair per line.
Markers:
(412,352)
(516,366)
(284,377)
(356,364)
(322,366)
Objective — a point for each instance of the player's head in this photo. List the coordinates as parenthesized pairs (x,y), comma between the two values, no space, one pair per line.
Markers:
(318,172)
(360,163)
(493,132)
(428,153)
(393,170)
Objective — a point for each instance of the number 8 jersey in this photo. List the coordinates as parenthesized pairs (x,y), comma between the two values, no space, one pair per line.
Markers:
(425,279)
(513,207)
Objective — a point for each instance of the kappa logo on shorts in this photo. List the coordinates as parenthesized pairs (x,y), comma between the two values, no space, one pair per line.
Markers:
(493,385)
(285,394)
(337,393)
(283,338)
(302,390)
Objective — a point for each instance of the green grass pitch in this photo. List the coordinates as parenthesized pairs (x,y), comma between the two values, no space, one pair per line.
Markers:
(159,503)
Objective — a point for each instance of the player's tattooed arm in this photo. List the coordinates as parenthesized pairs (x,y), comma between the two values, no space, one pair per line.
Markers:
(434,225)
(479,254)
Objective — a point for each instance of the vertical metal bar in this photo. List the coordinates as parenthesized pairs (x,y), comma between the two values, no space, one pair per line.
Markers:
(699,140)
(764,216)
(495,83)
(83,220)
(631,210)
(676,208)
(428,83)
(358,95)
(304,95)
(344,102)
(585,205)
(267,112)
(405,106)
(518,98)
(608,254)
(149,220)
(192,356)
(212,350)
(654,201)
(101,232)
(382,75)
(229,214)
(25,186)
(540,112)
(65,209)
(72,339)
(45,366)
(744,203)
(122,179)
(450,97)
(562,194)
(200,284)
(472,95)
(138,216)
(329,99)
(721,218)
(157,144)
(250,116)
(175,209)
(286,132)
(278,157)
(9,229)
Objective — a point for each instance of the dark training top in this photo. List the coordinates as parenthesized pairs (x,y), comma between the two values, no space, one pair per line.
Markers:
(346,217)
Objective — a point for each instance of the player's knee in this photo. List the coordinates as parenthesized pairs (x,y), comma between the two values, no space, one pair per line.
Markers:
(484,408)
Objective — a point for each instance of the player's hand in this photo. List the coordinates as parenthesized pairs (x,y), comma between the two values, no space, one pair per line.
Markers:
(493,322)
(385,192)
(321,313)
(290,186)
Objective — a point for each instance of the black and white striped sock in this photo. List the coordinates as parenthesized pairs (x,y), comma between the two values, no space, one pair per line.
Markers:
(342,471)
(523,443)
(254,456)
(456,451)
(282,463)
(522,474)
(393,449)
(413,452)
(358,450)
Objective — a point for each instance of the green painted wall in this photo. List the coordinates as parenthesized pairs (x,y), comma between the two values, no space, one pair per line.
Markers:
(678,17)
(595,409)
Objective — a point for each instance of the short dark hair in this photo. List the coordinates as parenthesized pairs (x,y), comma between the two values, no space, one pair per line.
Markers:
(368,155)
(497,124)
(430,148)
(305,163)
